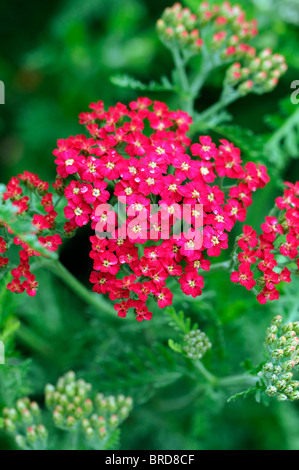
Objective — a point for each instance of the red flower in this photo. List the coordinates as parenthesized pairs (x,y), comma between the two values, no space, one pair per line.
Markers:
(244,276)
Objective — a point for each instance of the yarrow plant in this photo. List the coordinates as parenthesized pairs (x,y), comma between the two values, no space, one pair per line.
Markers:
(119,162)
(166,195)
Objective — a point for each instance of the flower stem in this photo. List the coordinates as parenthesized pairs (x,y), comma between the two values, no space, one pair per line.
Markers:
(212,379)
(79,289)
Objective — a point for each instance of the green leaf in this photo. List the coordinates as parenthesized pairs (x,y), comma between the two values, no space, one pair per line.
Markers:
(126,81)
(243,394)
(284,141)
(174,346)
(251,144)
(179,321)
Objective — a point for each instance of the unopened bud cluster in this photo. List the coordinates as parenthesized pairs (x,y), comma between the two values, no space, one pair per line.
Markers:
(224,33)
(282,345)
(74,407)
(258,74)
(23,422)
(196,344)
(179,27)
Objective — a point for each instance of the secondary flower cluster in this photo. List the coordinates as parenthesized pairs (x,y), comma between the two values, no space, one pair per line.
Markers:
(189,32)
(282,345)
(23,422)
(74,409)
(258,73)
(138,156)
(181,27)
(264,259)
(196,344)
(31,218)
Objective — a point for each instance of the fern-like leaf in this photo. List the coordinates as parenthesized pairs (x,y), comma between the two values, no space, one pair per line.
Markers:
(126,81)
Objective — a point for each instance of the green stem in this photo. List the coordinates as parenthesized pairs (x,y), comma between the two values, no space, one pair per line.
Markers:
(282,131)
(220,266)
(187,99)
(238,380)
(79,289)
(203,118)
(206,374)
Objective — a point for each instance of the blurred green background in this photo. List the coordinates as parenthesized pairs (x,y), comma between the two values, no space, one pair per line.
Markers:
(55,59)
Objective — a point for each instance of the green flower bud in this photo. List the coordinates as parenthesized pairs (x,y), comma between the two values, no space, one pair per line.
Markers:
(288,366)
(10,413)
(60,385)
(271,391)
(9,425)
(124,412)
(102,432)
(20,441)
(88,406)
(268,367)
(287,376)
(278,353)
(26,415)
(77,400)
(31,434)
(281,397)
(288,390)
(79,413)
(294,396)
(57,418)
(89,432)
(49,388)
(113,420)
(34,408)
(277,320)
(42,431)
(280,384)
(70,408)
(85,423)
(287,327)
(70,390)
(22,404)
(71,422)
(63,401)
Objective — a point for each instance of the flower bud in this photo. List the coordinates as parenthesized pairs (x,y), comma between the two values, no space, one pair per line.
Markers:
(20,441)
(113,420)
(271,391)
(71,422)
(42,431)
(31,435)
(34,408)
(88,406)
(245,87)
(281,397)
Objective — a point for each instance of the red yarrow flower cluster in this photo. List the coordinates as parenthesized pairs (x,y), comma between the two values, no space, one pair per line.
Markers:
(140,157)
(264,258)
(34,203)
